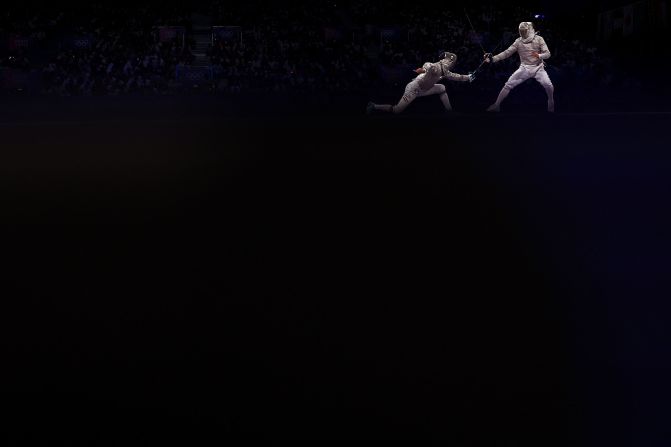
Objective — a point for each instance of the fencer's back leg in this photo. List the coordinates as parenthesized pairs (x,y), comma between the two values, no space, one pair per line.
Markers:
(378,107)
(403,103)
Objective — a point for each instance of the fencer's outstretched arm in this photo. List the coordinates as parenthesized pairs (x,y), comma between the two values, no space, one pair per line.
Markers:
(512,49)
(545,52)
(435,69)
(457,77)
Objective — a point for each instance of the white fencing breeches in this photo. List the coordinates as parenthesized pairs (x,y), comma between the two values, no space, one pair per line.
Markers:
(527,72)
(524,73)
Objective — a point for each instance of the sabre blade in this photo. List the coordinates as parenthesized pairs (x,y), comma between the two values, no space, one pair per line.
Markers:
(473,28)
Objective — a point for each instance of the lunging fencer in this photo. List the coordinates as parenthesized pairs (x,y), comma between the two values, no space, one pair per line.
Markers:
(426,84)
(532,50)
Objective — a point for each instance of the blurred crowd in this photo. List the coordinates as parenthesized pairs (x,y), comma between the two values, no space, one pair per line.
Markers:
(95,50)
(319,47)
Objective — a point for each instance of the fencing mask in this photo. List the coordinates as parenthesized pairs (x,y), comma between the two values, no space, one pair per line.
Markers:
(527,31)
(447,60)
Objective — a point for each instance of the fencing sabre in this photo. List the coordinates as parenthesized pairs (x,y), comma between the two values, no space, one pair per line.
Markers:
(479,42)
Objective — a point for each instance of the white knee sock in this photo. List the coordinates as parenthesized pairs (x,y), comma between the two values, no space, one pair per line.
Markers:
(551,99)
(446,101)
(505,91)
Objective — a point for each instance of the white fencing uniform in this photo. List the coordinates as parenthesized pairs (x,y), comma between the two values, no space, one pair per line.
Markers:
(426,84)
(530,67)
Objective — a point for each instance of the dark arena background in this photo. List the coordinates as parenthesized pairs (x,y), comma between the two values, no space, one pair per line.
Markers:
(208,241)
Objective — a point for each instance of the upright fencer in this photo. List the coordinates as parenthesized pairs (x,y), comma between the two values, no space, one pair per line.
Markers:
(533,51)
